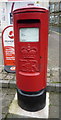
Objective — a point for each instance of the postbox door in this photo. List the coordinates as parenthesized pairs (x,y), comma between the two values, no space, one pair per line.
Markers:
(29,49)
(28,52)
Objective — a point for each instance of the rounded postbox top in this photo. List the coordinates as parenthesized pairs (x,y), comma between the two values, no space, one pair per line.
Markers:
(30,9)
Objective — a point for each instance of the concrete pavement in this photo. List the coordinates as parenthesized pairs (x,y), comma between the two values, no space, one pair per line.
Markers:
(55,28)
(53,50)
(8,95)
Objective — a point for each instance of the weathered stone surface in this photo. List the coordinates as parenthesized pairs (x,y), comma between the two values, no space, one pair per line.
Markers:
(8,95)
(9,77)
(5,103)
(0,76)
(5,83)
(5,109)
(12,84)
(11,91)
(0,69)
(54,112)
(55,77)
(4,76)
(3,115)
(54,99)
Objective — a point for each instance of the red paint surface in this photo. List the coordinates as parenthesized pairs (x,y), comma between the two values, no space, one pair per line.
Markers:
(31,57)
(11,35)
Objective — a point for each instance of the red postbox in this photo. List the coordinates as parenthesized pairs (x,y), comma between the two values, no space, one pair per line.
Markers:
(31,45)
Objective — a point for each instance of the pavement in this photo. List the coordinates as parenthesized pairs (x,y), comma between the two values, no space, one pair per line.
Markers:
(8,81)
(56,28)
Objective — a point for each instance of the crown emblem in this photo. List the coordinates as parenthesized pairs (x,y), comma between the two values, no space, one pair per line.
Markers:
(29,52)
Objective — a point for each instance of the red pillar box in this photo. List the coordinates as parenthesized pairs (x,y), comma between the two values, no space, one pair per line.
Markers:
(8,49)
(31,45)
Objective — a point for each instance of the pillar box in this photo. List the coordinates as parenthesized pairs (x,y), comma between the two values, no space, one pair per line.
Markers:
(31,46)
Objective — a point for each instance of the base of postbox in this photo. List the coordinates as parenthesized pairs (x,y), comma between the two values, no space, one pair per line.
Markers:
(9,69)
(31,101)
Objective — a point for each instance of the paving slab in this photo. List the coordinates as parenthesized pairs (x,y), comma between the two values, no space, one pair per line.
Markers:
(9,76)
(54,112)
(4,83)
(0,69)
(53,50)
(10,91)
(5,109)
(54,101)
(55,105)
(0,76)
(16,110)
(54,87)
(55,77)
(4,75)
(12,84)
(7,97)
